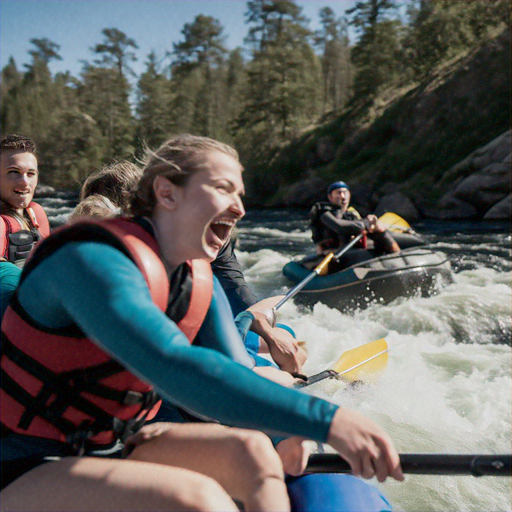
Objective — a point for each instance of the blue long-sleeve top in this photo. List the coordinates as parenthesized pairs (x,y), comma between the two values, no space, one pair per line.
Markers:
(98,288)
(9,280)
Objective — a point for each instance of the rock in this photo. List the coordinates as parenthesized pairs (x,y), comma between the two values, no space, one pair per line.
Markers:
(485,188)
(361,198)
(501,210)
(400,204)
(485,181)
(454,209)
(305,192)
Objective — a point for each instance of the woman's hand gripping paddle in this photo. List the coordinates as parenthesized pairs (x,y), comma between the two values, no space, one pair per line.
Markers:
(358,364)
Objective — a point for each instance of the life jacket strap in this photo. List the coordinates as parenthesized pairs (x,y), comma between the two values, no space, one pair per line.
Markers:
(66,389)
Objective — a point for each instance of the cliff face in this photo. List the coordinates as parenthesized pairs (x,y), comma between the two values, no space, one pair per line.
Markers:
(428,152)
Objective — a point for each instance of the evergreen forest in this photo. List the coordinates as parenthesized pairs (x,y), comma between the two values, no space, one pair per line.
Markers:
(284,81)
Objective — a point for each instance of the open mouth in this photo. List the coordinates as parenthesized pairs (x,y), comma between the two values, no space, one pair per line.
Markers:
(221,230)
(22,193)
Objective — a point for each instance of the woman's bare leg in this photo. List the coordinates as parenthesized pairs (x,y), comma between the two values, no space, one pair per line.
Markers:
(94,484)
(244,462)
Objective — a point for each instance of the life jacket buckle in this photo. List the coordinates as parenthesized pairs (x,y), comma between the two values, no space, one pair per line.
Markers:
(150,399)
(78,439)
(133,398)
(123,429)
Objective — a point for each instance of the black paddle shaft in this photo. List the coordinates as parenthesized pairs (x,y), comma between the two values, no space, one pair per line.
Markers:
(424,464)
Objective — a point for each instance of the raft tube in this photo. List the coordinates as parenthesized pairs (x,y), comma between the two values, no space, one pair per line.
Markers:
(414,271)
(334,493)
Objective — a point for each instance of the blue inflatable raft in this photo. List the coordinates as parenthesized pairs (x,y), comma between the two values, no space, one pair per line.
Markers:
(335,493)
(417,270)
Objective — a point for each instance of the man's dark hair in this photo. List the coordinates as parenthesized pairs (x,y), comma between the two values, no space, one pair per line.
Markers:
(18,142)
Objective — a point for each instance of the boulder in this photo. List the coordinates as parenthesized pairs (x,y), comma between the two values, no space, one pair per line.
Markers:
(361,198)
(400,204)
(454,209)
(479,182)
(44,191)
(501,210)
(485,188)
(305,192)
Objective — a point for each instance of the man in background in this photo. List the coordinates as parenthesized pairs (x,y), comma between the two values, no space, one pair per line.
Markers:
(335,223)
(23,222)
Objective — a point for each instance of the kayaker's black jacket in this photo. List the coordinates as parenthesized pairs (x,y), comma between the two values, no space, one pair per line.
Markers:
(331,228)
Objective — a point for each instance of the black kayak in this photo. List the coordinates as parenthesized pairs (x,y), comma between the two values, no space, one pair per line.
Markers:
(412,271)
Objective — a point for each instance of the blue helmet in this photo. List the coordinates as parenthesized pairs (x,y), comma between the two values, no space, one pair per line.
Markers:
(336,185)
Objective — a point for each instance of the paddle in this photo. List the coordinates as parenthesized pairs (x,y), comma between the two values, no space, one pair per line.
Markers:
(394,222)
(315,272)
(357,364)
(424,464)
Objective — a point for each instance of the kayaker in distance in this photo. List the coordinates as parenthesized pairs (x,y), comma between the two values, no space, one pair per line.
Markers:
(335,223)
(23,222)
(108,301)
(104,194)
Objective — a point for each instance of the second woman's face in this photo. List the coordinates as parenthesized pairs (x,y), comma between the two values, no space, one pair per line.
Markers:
(211,205)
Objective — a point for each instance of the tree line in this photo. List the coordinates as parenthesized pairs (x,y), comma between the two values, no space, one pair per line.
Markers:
(285,78)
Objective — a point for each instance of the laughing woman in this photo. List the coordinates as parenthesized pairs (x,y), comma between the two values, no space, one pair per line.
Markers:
(107,313)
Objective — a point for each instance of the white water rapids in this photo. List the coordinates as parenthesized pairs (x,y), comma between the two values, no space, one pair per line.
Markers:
(447,386)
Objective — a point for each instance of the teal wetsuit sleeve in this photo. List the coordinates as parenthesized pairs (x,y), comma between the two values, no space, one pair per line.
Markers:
(220,332)
(243,322)
(9,279)
(101,290)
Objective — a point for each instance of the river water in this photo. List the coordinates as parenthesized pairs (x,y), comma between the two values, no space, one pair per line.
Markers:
(447,387)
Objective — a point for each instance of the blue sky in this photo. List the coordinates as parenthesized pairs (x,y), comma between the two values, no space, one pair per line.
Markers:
(76,25)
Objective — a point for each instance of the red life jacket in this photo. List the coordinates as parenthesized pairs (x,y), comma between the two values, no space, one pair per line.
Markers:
(16,242)
(57,384)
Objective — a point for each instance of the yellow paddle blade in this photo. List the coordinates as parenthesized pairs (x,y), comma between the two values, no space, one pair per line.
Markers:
(362,362)
(394,222)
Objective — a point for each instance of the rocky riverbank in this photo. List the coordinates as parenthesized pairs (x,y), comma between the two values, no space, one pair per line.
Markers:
(439,150)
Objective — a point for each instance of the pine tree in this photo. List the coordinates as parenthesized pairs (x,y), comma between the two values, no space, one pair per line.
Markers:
(236,82)
(105,91)
(9,88)
(337,71)
(103,95)
(116,50)
(439,29)
(376,53)
(198,78)
(281,93)
(155,117)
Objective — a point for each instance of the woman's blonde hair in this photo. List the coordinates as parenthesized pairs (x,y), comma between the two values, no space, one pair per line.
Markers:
(177,159)
(96,205)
